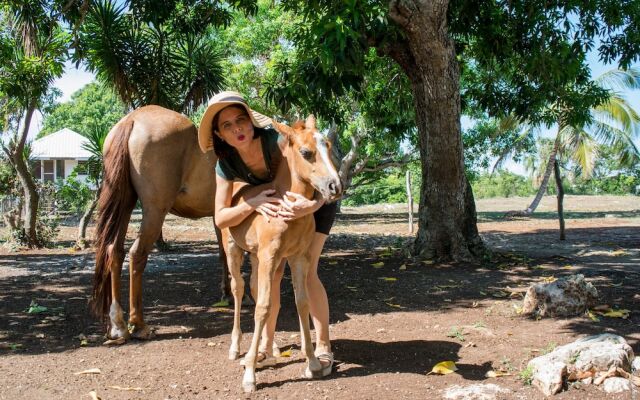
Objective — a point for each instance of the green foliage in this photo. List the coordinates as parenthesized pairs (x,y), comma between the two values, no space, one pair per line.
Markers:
(526,375)
(92,107)
(501,184)
(72,195)
(158,53)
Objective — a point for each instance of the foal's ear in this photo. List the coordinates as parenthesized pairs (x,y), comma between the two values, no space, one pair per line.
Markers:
(284,130)
(310,123)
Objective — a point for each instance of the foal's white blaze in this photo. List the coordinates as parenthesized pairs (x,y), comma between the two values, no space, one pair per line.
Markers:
(323,150)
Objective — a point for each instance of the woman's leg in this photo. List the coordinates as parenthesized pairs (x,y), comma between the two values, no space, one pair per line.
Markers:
(318,301)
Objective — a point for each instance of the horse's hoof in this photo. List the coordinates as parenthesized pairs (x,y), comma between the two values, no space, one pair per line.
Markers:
(115,342)
(249,387)
(233,354)
(116,333)
(145,333)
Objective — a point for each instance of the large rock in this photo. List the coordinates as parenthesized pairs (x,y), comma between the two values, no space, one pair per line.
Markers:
(480,391)
(565,297)
(616,385)
(591,356)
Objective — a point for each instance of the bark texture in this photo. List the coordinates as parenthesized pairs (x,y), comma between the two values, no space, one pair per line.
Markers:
(447,217)
(556,170)
(31,196)
(545,178)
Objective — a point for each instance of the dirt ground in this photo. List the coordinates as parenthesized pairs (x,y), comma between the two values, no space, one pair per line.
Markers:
(387,333)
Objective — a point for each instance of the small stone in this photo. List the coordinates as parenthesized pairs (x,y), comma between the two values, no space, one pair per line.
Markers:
(616,385)
(488,391)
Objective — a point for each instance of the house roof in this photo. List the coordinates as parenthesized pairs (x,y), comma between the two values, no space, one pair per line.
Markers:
(64,143)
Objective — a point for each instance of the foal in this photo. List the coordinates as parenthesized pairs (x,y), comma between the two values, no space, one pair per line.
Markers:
(306,167)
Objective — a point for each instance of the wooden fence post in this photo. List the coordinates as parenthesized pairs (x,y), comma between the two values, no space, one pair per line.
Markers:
(410,201)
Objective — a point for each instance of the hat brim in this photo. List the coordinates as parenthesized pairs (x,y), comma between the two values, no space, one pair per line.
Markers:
(205,131)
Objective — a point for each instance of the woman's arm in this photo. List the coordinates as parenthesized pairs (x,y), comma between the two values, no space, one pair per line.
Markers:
(228,216)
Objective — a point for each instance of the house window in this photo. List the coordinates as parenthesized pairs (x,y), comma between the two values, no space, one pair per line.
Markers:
(59,169)
(47,169)
(36,168)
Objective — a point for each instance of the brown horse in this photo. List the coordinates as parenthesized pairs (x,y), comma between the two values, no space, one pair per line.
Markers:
(151,154)
(306,168)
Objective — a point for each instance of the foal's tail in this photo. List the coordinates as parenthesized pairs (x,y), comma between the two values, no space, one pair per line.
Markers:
(117,199)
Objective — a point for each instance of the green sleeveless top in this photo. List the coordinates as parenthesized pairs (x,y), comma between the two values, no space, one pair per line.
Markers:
(233,168)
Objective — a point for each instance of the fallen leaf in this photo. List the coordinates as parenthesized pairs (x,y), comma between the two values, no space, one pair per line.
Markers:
(221,303)
(84,342)
(592,316)
(427,262)
(624,314)
(129,389)
(332,263)
(496,374)
(94,395)
(89,371)
(444,368)
(518,309)
(403,267)
(387,279)
(549,279)
(34,308)
(394,305)
(286,353)
(378,264)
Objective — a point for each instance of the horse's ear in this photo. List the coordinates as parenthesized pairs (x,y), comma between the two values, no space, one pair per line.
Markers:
(284,130)
(310,123)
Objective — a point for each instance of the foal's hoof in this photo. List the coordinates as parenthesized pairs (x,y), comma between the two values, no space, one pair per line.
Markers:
(249,387)
(233,354)
(144,333)
(115,342)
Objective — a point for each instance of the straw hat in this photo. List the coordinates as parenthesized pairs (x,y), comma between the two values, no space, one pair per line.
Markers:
(217,103)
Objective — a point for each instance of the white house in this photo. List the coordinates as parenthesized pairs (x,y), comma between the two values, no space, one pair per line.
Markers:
(58,154)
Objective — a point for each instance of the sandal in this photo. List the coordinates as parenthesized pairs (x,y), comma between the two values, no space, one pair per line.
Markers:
(263,360)
(326,369)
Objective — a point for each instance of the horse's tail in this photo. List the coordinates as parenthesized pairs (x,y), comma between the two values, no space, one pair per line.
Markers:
(117,199)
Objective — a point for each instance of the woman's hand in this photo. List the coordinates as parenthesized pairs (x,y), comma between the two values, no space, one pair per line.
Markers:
(299,207)
(265,204)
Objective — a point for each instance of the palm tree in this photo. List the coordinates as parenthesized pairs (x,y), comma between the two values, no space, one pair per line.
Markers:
(94,145)
(614,123)
(151,57)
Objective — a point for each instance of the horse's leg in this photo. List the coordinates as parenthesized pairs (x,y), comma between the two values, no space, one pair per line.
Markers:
(234,261)
(266,269)
(225,283)
(115,255)
(150,227)
(299,265)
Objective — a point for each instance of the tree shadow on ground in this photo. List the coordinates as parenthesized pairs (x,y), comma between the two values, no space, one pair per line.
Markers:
(180,288)
(367,357)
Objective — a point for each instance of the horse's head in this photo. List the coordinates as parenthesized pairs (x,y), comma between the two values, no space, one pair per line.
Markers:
(310,155)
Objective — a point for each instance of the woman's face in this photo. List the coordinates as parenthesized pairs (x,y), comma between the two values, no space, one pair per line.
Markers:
(235,126)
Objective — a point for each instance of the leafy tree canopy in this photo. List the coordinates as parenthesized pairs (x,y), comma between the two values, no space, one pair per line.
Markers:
(92,107)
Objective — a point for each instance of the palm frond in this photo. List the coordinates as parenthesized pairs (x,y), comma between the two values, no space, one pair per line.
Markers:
(620,80)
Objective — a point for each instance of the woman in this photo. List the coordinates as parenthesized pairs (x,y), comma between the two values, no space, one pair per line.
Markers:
(247,152)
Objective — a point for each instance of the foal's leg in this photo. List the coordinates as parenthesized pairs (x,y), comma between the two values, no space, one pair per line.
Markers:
(234,262)
(299,265)
(152,219)
(266,269)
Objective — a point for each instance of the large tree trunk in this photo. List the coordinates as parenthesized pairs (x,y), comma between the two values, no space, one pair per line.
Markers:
(31,197)
(447,217)
(545,178)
